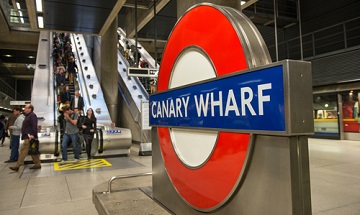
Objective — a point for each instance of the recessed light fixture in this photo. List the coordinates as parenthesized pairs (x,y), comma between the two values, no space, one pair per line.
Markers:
(31,57)
(21,17)
(8,55)
(39,6)
(41,21)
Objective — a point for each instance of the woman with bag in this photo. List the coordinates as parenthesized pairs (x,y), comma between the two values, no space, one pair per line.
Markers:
(89,127)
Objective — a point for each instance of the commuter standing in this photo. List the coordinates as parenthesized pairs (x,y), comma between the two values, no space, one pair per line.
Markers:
(71,69)
(2,129)
(136,56)
(61,122)
(11,120)
(71,132)
(15,135)
(65,95)
(127,50)
(80,137)
(28,132)
(89,127)
(77,102)
(60,79)
(152,83)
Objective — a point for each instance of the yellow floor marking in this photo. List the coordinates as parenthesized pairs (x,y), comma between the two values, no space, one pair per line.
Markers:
(83,164)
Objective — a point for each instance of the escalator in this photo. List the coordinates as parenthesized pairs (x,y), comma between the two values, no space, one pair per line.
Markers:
(42,97)
(134,95)
(111,140)
(132,92)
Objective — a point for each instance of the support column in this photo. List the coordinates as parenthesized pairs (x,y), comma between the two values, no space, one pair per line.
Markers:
(182,6)
(108,69)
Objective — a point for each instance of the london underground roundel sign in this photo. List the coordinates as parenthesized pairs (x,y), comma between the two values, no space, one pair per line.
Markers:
(205,166)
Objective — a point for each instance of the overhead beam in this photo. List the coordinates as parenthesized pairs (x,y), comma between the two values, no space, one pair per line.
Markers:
(148,44)
(269,22)
(139,6)
(248,3)
(143,18)
(31,9)
(19,40)
(114,13)
(142,39)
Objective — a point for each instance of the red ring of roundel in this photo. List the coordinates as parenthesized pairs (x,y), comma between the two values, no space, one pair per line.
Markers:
(209,186)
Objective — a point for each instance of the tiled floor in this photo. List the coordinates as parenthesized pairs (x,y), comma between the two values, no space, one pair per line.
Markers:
(47,191)
(334,167)
(335,177)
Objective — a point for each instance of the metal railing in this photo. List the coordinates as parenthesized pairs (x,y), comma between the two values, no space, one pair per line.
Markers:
(125,176)
(9,91)
(337,37)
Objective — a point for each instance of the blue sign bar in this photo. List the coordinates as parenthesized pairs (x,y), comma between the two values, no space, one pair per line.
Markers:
(242,101)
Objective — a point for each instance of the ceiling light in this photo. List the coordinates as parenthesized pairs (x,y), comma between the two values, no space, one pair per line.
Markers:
(326,105)
(39,7)
(243,2)
(31,57)
(8,55)
(21,17)
(41,21)
(18,5)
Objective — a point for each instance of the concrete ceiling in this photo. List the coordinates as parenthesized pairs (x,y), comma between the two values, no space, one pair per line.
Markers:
(86,16)
(94,17)
(18,41)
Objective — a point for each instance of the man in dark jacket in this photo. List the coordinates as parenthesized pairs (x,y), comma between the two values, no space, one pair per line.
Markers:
(77,102)
(28,132)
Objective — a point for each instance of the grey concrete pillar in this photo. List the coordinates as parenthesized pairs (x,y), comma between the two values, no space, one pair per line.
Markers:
(89,40)
(108,69)
(182,6)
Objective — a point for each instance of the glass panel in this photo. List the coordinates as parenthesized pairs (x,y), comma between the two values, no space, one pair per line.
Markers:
(350,110)
(326,123)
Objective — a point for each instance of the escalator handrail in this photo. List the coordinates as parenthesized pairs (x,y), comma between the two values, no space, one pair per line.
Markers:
(101,147)
(136,79)
(143,51)
(53,84)
(56,145)
(80,70)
